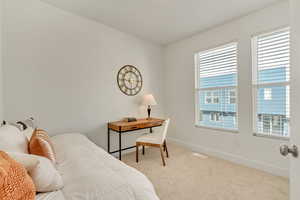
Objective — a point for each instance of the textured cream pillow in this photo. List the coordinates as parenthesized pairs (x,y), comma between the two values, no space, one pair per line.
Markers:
(44,175)
(12,139)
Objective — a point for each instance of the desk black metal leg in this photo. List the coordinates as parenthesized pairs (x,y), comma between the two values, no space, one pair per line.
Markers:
(151,131)
(120,146)
(108,140)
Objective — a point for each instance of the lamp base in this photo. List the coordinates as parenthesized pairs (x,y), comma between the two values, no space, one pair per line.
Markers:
(149,112)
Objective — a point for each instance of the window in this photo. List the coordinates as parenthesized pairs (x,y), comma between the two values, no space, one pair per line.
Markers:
(268,94)
(216,83)
(208,98)
(212,98)
(201,116)
(215,117)
(271,80)
(212,116)
(216,98)
(232,97)
(272,124)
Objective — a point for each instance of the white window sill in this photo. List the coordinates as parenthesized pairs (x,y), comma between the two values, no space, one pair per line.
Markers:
(217,129)
(271,136)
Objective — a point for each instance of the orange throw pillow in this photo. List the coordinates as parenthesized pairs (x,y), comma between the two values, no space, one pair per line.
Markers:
(15,183)
(41,145)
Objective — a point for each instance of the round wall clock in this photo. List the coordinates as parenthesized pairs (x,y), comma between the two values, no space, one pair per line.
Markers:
(130,80)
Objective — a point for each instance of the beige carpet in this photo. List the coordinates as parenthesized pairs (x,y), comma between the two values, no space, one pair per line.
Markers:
(188,177)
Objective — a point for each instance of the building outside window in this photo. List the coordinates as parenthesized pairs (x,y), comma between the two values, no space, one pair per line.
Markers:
(216,87)
(271,80)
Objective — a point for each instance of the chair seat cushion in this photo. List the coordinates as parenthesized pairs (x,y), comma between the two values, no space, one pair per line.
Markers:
(150,138)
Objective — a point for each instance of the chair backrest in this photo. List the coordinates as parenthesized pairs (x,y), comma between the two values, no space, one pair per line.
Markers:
(165,129)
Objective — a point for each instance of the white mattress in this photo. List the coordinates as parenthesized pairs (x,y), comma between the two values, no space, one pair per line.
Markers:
(90,173)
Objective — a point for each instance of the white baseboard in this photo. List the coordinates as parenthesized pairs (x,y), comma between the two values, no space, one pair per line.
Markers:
(234,158)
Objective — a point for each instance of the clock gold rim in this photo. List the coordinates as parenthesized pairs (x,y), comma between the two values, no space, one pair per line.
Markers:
(131,93)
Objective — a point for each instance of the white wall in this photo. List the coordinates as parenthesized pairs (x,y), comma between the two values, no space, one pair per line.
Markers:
(179,86)
(61,69)
(1,67)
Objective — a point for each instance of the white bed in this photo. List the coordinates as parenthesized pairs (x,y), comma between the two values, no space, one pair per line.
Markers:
(90,173)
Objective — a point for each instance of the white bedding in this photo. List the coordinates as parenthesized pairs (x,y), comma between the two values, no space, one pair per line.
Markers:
(58,195)
(90,173)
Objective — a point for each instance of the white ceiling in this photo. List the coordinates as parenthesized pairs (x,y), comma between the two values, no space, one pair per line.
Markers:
(161,21)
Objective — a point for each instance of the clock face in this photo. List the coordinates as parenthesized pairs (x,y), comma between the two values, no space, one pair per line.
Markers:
(130,80)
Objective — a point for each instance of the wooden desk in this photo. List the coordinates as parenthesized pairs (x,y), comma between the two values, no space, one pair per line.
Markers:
(123,127)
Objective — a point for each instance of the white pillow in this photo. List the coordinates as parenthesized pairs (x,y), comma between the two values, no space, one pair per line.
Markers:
(44,175)
(12,140)
(28,132)
(29,162)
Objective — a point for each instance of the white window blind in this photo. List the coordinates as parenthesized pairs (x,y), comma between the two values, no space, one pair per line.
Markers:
(271,79)
(216,82)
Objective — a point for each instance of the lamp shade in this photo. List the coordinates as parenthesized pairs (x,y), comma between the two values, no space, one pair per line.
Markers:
(149,100)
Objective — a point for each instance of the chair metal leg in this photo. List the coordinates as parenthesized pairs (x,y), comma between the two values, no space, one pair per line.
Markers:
(137,153)
(120,145)
(166,148)
(143,149)
(162,155)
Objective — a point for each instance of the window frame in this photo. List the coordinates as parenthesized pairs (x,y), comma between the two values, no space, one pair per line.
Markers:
(255,85)
(198,88)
